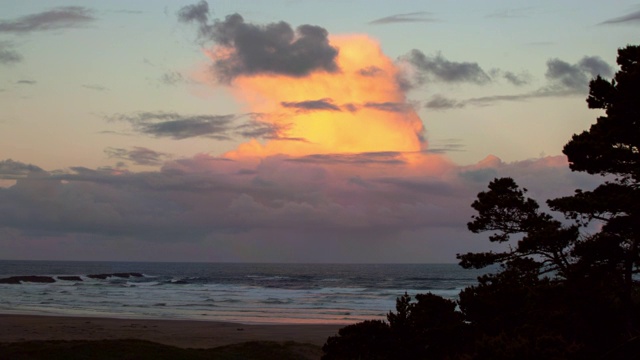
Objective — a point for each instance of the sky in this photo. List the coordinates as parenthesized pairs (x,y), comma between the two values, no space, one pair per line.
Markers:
(286,130)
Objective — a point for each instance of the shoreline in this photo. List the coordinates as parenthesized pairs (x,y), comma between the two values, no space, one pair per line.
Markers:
(174,332)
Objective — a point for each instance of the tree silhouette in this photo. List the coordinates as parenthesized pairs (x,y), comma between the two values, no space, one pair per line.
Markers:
(611,147)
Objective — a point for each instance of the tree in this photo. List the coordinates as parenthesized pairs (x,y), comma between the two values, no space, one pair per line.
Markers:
(563,270)
(428,328)
(611,148)
(504,209)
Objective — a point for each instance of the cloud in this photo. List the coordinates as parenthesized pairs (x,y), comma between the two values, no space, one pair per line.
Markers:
(388,106)
(219,127)
(437,68)
(517,79)
(54,19)
(8,55)
(445,146)
(95,87)
(198,13)
(439,102)
(11,170)
(386,157)
(319,205)
(418,16)
(172,78)
(631,18)
(563,79)
(312,105)
(138,155)
(576,76)
(248,49)
(328,105)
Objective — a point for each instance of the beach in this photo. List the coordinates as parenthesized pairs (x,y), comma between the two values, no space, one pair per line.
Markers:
(179,333)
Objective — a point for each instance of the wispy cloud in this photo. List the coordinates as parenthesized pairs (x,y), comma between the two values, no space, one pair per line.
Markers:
(438,68)
(12,170)
(54,19)
(439,102)
(394,107)
(8,55)
(180,126)
(563,79)
(386,157)
(413,17)
(138,155)
(631,18)
(312,105)
(444,146)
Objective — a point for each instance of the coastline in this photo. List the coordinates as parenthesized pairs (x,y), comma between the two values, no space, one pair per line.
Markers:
(179,333)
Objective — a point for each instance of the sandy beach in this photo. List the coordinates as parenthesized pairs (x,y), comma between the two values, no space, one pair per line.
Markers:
(179,333)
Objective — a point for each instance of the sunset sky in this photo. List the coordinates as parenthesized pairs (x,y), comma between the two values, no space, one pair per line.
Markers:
(286,130)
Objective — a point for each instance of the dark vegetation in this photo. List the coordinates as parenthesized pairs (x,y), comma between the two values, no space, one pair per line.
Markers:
(564,289)
(141,349)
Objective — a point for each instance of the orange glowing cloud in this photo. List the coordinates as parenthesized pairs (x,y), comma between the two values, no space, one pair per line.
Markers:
(357,109)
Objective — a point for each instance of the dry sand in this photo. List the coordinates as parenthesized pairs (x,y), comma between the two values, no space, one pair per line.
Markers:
(180,333)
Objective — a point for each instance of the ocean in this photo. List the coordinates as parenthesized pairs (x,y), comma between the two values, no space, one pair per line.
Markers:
(242,293)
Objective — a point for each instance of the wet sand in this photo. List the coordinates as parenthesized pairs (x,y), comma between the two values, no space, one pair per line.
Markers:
(180,333)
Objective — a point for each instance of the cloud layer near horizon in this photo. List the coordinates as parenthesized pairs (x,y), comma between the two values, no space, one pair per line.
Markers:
(328,208)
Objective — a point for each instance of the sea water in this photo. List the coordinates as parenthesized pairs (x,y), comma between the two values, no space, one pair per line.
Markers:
(243,293)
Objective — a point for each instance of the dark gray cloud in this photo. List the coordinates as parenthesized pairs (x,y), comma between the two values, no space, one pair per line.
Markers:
(383,157)
(438,68)
(177,126)
(327,104)
(219,127)
(517,79)
(198,13)
(26,82)
(631,18)
(312,105)
(445,146)
(439,102)
(394,107)
(8,55)
(256,129)
(11,170)
(138,155)
(262,49)
(563,79)
(58,18)
(594,66)
(418,16)
(576,76)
